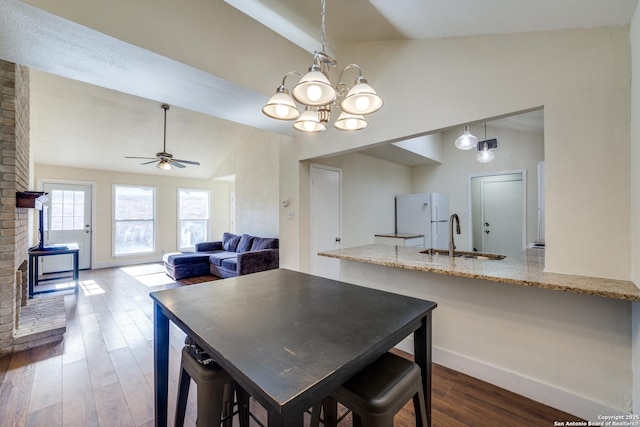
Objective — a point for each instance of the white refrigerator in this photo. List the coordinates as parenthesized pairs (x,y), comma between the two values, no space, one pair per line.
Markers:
(426,214)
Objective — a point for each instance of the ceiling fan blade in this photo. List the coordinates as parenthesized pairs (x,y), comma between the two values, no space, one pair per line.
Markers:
(189,162)
(147,163)
(177,164)
(148,158)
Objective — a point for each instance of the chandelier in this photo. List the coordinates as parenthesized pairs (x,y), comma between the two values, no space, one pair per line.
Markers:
(317,96)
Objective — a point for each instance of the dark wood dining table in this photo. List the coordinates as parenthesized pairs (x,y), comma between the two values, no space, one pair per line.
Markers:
(289,338)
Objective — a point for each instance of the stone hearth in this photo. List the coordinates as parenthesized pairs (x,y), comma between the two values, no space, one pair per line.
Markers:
(42,321)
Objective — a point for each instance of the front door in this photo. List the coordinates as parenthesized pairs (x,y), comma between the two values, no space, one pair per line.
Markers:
(502,217)
(325,219)
(69,221)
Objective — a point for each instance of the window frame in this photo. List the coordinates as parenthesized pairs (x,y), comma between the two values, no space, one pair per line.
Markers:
(115,221)
(207,227)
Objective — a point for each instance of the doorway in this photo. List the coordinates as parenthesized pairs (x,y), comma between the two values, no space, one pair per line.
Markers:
(325,219)
(498,212)
(69,220)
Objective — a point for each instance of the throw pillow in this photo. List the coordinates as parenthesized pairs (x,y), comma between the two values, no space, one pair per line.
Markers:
(245,243)
(260,243)
(230,242)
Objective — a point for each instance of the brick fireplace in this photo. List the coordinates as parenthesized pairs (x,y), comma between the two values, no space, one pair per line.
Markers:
(14,222)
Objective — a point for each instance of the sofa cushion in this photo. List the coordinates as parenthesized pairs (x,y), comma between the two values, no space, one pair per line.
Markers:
(260,243)
(245,243)
(185,258)
(230,242)
(230,264)
(218,257)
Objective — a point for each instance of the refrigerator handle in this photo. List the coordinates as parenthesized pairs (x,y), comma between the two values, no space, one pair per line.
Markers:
(437,213)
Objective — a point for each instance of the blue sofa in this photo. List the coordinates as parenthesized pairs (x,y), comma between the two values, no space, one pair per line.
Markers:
(232,256)
(236,255)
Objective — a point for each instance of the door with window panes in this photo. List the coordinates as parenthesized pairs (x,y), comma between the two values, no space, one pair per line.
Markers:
(69,221)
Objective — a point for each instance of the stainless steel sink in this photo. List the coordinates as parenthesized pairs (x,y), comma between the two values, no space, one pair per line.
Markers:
(469,255)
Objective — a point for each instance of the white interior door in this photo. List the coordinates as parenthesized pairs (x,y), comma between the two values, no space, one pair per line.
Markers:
(325,219)
(69,221)
(502,217)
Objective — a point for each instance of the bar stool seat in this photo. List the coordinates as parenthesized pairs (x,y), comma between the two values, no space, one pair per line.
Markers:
(375,394)
(215,391)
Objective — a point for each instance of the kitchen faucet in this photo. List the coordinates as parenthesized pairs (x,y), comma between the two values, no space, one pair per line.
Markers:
(452,245)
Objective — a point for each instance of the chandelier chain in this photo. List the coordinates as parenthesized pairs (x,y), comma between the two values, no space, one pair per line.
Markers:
(322,26)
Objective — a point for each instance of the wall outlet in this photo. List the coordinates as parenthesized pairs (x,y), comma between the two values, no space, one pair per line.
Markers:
(291,214)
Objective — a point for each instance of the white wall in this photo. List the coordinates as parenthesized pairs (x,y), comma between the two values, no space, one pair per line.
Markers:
(257,184)
(166,209)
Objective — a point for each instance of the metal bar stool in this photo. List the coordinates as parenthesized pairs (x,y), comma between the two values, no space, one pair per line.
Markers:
(215,390)
(375,394)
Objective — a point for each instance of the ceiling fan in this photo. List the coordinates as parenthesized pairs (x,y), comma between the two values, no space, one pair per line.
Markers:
(165,160)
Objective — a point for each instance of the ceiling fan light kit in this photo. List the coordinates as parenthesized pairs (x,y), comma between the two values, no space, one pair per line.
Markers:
(165,160)
(317,96)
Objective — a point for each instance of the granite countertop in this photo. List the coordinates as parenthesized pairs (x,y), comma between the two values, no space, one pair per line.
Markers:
(524,270)
(400,235)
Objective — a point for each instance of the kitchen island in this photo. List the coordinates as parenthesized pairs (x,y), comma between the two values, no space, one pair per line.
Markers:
(504,321)
(525,270)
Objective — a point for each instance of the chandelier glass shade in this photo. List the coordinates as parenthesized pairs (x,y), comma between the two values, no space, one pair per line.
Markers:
(315,93)
(466,141)
(309,121)
(348,121)
(281,106)
(314,89)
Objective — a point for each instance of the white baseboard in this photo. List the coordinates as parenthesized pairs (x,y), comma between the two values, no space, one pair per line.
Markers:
(124,262)
(532,388)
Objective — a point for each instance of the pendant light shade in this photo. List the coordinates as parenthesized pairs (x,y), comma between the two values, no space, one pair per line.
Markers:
(485,155)
(314,89)
(348,121)
(466,141)
(361,99)
(309,122)
(281,106)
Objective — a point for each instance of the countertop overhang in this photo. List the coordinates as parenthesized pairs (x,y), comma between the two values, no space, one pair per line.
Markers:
(524,270)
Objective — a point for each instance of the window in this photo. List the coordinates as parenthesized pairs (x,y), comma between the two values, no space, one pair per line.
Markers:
(134,219)
(67,210)
(193,217)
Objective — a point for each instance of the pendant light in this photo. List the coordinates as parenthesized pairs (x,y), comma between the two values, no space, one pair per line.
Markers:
(485,155)
(485,152)
(317,95)
(466,141)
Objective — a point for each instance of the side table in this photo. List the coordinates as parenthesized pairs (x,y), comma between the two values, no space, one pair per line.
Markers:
(34,256)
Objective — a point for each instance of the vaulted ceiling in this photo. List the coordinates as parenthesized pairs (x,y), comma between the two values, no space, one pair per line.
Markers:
(97,98)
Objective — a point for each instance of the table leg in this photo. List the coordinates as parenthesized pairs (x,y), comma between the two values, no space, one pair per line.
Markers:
(30,275)
(330,409)
(243,406)
(36,273)
(287,420)
(423,356)
(161,365)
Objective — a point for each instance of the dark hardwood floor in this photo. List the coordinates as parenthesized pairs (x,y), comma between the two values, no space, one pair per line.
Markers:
(102,372)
